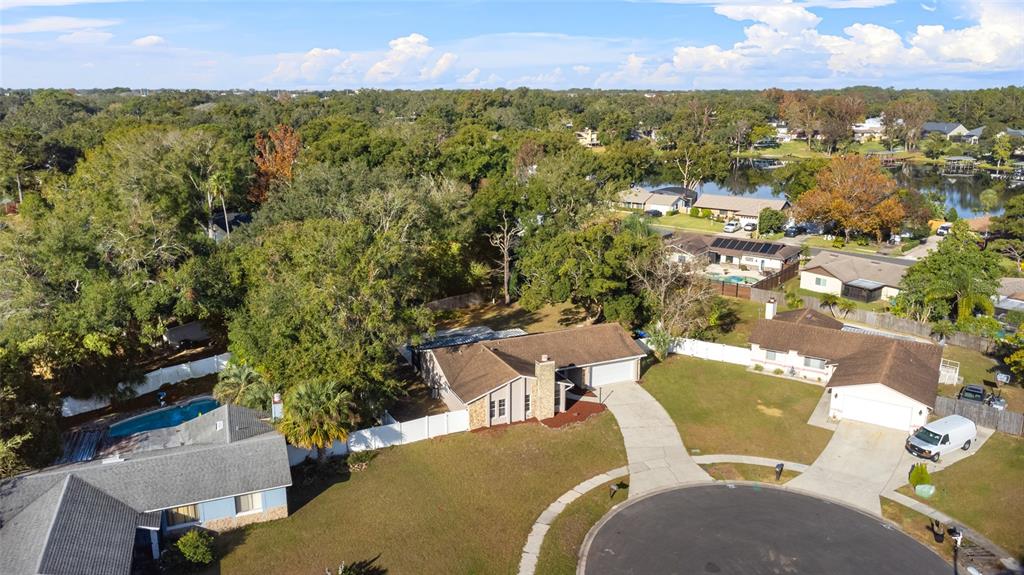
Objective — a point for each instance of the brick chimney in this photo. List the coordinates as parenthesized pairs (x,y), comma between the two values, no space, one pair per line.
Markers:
(543,392)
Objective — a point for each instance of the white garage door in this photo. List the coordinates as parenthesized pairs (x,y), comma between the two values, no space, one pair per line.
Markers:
(612,372)
(877,412)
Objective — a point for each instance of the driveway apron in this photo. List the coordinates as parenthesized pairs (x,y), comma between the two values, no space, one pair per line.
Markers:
(855,466)
(656,455)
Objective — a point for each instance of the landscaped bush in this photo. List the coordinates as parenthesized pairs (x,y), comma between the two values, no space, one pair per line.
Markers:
(1015,317)
(758,367)
(838,243)
(863,240)
(359,460)
(705,213)
(778,371)
(985,326)
(671,212)
(196,546)
(695,212)
(919,475)
(908,245)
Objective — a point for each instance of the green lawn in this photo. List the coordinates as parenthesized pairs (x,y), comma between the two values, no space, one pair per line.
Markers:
(820,242)
(561,547)
(688,222)
(743,314)
(500,316)
(984,491)
(747,472)
(917,526)
(723,408)
(459,504)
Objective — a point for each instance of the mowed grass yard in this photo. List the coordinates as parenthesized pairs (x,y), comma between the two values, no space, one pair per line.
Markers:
(561,547)
(723,408)
(985,491)
(978,368)
(459,504)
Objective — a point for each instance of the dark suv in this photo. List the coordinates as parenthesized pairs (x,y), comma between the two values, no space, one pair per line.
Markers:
(977,393)
(794,231)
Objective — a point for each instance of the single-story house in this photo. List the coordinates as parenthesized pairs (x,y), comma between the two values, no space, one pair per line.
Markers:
(687,246)
(744,209)
(639,199)
(222,226)
(221,470)
(948,129)
(689,196)
(526,377)
(1010,295)
(870,378)
(869,130)
(861,279)
(758,254)
(973,136)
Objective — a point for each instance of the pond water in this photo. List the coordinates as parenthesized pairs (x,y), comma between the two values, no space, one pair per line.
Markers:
(962,193)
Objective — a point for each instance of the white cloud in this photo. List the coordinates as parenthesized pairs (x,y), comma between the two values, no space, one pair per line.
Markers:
(470,77)
(411,48)
(581,69)
(308,66)
(705,58)
(786,19)
(837,4)
(542,79)
(929,7)
(85,37)
(55,24)
(439,68)
(147,41)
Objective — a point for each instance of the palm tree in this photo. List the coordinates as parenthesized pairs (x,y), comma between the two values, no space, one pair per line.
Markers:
(235,382)
(830,300)
(793,300)
(846,306)
(316,414)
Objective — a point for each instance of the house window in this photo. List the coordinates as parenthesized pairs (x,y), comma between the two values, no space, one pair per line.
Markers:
(493,408)
(771,355)
(820,282)
(183,515)
(248,503)
(526,405)
(814,363)
(501,408)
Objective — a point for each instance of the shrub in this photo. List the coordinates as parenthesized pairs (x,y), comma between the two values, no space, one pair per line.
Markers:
(694,212)
(986,326)
(671,212)
(838,243)
(743,267)
(778,371)
(758,367)
(705,213)
(196,546)
(863,240)
(1015,317)
(919,475)
(908,245)
(359,460)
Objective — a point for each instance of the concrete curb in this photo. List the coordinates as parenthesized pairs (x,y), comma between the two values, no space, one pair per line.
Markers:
(531,551)
(749,460)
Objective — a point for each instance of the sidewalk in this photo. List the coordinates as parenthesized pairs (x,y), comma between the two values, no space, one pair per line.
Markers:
(656,455)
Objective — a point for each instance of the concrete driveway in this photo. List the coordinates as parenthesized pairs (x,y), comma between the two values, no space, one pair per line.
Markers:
(855,466)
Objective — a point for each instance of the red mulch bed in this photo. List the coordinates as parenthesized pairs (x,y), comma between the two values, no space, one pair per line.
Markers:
(578,411)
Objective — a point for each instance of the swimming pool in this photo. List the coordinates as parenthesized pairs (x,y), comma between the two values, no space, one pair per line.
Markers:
(734,279)
(167,417)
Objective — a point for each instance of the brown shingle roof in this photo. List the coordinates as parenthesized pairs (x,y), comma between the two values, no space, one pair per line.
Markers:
(909,367)
(809,317)
(742,205)
(846,268)
(689,242)
(473,370)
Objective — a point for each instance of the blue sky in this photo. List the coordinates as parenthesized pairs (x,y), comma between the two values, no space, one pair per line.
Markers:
(678,44)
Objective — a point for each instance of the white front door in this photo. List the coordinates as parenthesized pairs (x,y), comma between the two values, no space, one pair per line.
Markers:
(613,372)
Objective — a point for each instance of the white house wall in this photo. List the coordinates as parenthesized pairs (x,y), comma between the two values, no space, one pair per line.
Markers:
(791,363)
(808,282)
(889,292)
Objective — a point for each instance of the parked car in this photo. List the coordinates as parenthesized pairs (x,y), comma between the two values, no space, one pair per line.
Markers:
(943,229)
(977,393)
(794,231)
(942,436)
(731,227)
(653,213)
(749,226)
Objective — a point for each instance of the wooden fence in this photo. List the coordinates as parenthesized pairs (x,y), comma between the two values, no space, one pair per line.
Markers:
(731,289)
(775,281)
(1006,421)
(745,291)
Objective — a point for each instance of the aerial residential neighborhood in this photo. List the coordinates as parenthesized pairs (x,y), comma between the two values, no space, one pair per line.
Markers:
(491,288)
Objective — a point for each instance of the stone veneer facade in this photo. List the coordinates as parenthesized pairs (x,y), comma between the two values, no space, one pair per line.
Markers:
(478,413)
(228,523)
(544,390)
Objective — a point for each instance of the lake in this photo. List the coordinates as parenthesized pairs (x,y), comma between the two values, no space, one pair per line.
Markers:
(961,193)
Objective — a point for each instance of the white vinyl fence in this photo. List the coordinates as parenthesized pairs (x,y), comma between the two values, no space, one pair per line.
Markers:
(397,433)
(707,350)
(154,381)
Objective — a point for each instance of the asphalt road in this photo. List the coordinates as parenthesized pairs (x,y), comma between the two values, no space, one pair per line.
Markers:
(749,530)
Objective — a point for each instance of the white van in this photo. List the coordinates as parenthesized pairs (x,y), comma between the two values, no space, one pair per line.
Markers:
(942,436)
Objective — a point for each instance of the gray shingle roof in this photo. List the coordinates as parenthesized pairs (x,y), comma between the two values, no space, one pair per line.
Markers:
(847,268)
(944,127)
(72,529)
(240,455)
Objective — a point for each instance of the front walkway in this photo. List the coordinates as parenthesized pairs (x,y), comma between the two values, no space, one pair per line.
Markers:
(656,455)
(856,465)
